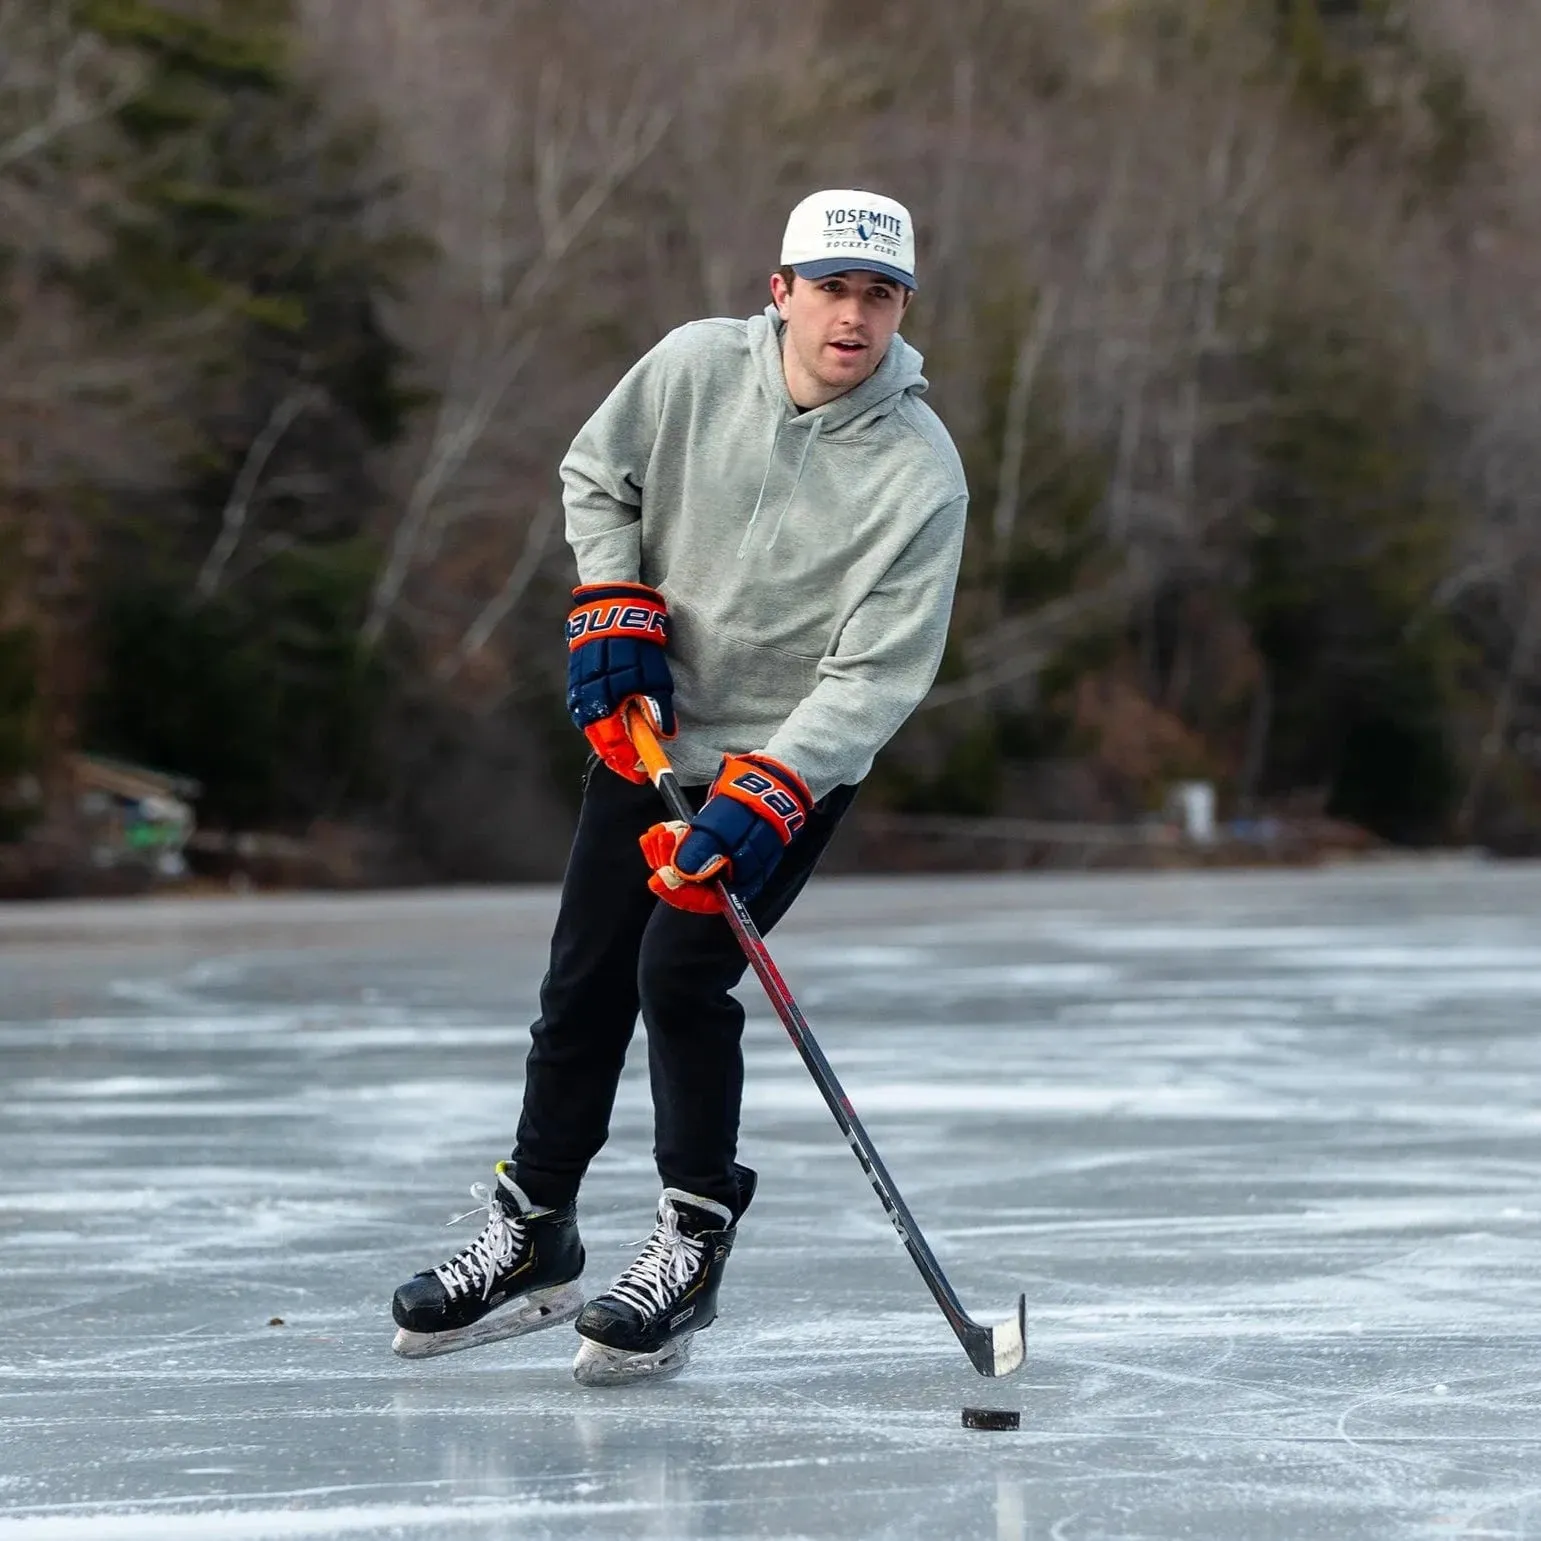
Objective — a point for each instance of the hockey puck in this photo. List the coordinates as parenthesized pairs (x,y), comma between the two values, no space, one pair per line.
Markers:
(991,1418)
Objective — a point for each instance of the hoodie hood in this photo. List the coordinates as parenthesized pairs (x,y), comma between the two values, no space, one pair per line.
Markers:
(876,396)
(857,410)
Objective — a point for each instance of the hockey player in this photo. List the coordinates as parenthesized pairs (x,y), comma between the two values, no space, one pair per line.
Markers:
(767,522)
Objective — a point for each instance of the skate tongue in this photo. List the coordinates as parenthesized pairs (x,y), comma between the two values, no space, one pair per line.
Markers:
(696,1214)
(510,1195)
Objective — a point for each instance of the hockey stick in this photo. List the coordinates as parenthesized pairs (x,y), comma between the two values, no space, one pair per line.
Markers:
(991,1350)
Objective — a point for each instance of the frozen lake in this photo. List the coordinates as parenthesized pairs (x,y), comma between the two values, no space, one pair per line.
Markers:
(1264,1151)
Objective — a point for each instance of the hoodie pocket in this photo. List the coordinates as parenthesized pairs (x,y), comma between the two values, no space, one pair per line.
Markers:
(740,691)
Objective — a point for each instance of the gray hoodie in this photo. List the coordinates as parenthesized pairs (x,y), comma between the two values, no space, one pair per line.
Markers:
(808,558)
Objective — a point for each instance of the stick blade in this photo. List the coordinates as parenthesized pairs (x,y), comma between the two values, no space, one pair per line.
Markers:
(998,1351)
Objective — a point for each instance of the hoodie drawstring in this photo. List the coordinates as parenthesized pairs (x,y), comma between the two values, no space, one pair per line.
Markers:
(770,460)
(815,424)
(802,460)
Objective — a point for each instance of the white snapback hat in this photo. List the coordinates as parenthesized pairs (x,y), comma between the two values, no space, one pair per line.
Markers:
(845,230)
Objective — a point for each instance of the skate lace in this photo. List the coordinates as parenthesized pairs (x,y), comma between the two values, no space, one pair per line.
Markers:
(666,1264)
(477,1266)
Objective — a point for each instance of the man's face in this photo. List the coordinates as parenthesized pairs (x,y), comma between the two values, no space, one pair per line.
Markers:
(838,329)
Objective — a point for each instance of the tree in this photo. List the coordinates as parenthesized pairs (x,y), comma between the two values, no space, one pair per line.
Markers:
(1348,545)
(231,603)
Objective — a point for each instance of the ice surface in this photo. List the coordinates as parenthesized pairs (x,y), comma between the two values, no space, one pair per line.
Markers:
(1264,1152)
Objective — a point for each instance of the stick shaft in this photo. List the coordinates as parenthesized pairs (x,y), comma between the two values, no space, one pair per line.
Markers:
(748,936)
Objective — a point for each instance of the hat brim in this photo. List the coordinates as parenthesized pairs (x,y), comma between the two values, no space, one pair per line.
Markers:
(827,267)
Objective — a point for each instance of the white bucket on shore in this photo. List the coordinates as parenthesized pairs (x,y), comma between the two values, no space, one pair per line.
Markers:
(1195,804)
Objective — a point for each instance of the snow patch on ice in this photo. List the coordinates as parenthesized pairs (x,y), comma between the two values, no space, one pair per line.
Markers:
(287,1524)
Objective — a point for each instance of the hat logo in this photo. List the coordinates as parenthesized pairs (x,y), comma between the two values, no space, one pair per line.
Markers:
(858,230)
(866,221)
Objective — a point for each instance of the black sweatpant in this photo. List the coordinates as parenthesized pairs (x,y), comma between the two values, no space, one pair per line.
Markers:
(617,950)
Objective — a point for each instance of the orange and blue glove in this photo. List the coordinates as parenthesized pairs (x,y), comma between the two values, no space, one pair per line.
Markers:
(754,808)
(617,636)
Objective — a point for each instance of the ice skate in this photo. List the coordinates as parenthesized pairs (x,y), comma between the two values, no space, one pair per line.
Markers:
(519,1275)
(641,1327)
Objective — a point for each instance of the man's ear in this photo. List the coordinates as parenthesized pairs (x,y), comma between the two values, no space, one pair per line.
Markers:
(779,291)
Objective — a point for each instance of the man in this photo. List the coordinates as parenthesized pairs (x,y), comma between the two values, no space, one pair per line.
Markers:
(767,523)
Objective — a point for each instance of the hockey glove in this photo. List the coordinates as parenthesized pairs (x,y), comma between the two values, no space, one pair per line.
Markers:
(617,634)
(754,808)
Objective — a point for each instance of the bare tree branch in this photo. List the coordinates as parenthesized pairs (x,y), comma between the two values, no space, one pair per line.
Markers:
(1030,354)
(238,504)
(631,139)
(477,635)
(1019,648)
(54,78)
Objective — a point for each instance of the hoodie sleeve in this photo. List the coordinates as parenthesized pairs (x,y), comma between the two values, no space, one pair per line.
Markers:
(883,664)
(604,470)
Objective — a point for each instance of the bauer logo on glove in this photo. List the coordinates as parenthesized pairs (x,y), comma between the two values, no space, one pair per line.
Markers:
(754,808)
(596,619)
(617,634)
(770,798)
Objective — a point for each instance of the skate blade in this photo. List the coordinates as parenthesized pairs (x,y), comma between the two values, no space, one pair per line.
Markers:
(528,1313)
(597,1365)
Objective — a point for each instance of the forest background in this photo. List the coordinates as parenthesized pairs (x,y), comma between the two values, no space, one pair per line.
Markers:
(1233,307)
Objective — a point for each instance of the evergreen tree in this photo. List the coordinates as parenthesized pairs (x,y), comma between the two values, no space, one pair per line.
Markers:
(1347,546)
(18,715)
(229,614)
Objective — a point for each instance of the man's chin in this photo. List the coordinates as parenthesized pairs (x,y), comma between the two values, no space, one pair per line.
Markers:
(843,375)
